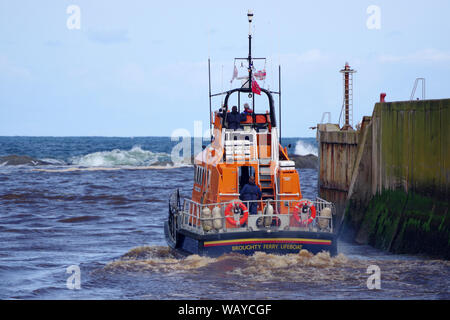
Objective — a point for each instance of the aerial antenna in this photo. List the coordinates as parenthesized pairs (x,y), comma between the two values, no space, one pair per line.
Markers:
(279,100)
(222,84)
(210,108)
(209,42)
(250,64)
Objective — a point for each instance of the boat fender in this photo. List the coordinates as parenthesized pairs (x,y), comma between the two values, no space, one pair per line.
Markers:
(217,218)
(268,210)
(325,222)
(304,205)
(206,219)
(229,213)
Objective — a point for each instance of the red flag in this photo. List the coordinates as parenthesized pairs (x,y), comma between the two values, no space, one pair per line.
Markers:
(255,87)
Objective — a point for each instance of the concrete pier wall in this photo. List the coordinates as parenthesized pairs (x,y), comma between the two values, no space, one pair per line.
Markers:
(411,147)
(402,159)
(337,154)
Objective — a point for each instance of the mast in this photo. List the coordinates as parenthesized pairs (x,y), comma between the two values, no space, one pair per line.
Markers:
(250,18)
(244,88)
(279,101)
(250,63)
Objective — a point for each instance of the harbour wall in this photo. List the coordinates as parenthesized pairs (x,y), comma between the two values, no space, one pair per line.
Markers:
(390,179)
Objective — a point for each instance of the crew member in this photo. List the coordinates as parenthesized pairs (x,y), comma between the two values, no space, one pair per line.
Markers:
(234,119)
(251,192)
(247,109)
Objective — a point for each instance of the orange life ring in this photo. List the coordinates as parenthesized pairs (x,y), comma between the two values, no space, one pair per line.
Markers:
(229,215)
(300,205)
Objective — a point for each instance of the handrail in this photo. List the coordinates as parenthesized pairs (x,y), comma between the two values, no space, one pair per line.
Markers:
(192,219)
(416,82)
(230,150)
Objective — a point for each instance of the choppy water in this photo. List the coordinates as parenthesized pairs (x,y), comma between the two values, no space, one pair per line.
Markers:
(107,218)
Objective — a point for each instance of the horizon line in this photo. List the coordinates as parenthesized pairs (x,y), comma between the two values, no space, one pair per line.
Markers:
(100,136)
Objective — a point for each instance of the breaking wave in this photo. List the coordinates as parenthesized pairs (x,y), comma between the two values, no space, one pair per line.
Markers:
(134,157)
(75,169)
(55,162)
(302,149)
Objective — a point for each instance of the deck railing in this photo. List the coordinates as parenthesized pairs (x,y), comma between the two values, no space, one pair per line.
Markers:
(210,218)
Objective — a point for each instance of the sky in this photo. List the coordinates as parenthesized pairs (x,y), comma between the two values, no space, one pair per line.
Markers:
(139,68)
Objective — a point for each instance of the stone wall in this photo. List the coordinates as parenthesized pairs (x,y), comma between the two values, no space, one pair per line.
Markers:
(398,195)
(337,154)
(411,147)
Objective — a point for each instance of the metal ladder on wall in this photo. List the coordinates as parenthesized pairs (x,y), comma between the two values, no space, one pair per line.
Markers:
(415,87)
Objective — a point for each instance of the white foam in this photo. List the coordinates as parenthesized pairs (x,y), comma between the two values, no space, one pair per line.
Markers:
(302,149)
(71,169)
(135,157)
(54,161)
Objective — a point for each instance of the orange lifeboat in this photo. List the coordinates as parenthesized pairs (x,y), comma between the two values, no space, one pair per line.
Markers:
(245,145)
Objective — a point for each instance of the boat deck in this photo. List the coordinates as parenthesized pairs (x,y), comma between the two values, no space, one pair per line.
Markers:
(278,232)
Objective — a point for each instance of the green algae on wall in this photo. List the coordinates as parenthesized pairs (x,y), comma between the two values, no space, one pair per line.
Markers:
(399,193)
(408,223)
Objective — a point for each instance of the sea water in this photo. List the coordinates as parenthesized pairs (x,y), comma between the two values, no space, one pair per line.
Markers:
(90,226)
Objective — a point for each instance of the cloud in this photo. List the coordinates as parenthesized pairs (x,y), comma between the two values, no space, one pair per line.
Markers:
(108,36)
(427,55)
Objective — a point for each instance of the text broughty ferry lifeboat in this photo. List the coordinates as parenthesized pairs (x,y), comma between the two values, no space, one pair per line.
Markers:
(215,221)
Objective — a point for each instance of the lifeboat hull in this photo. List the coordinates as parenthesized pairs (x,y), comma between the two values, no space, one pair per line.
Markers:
(247,243)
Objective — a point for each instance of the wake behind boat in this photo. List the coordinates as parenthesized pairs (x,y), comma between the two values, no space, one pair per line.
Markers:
(246,195)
